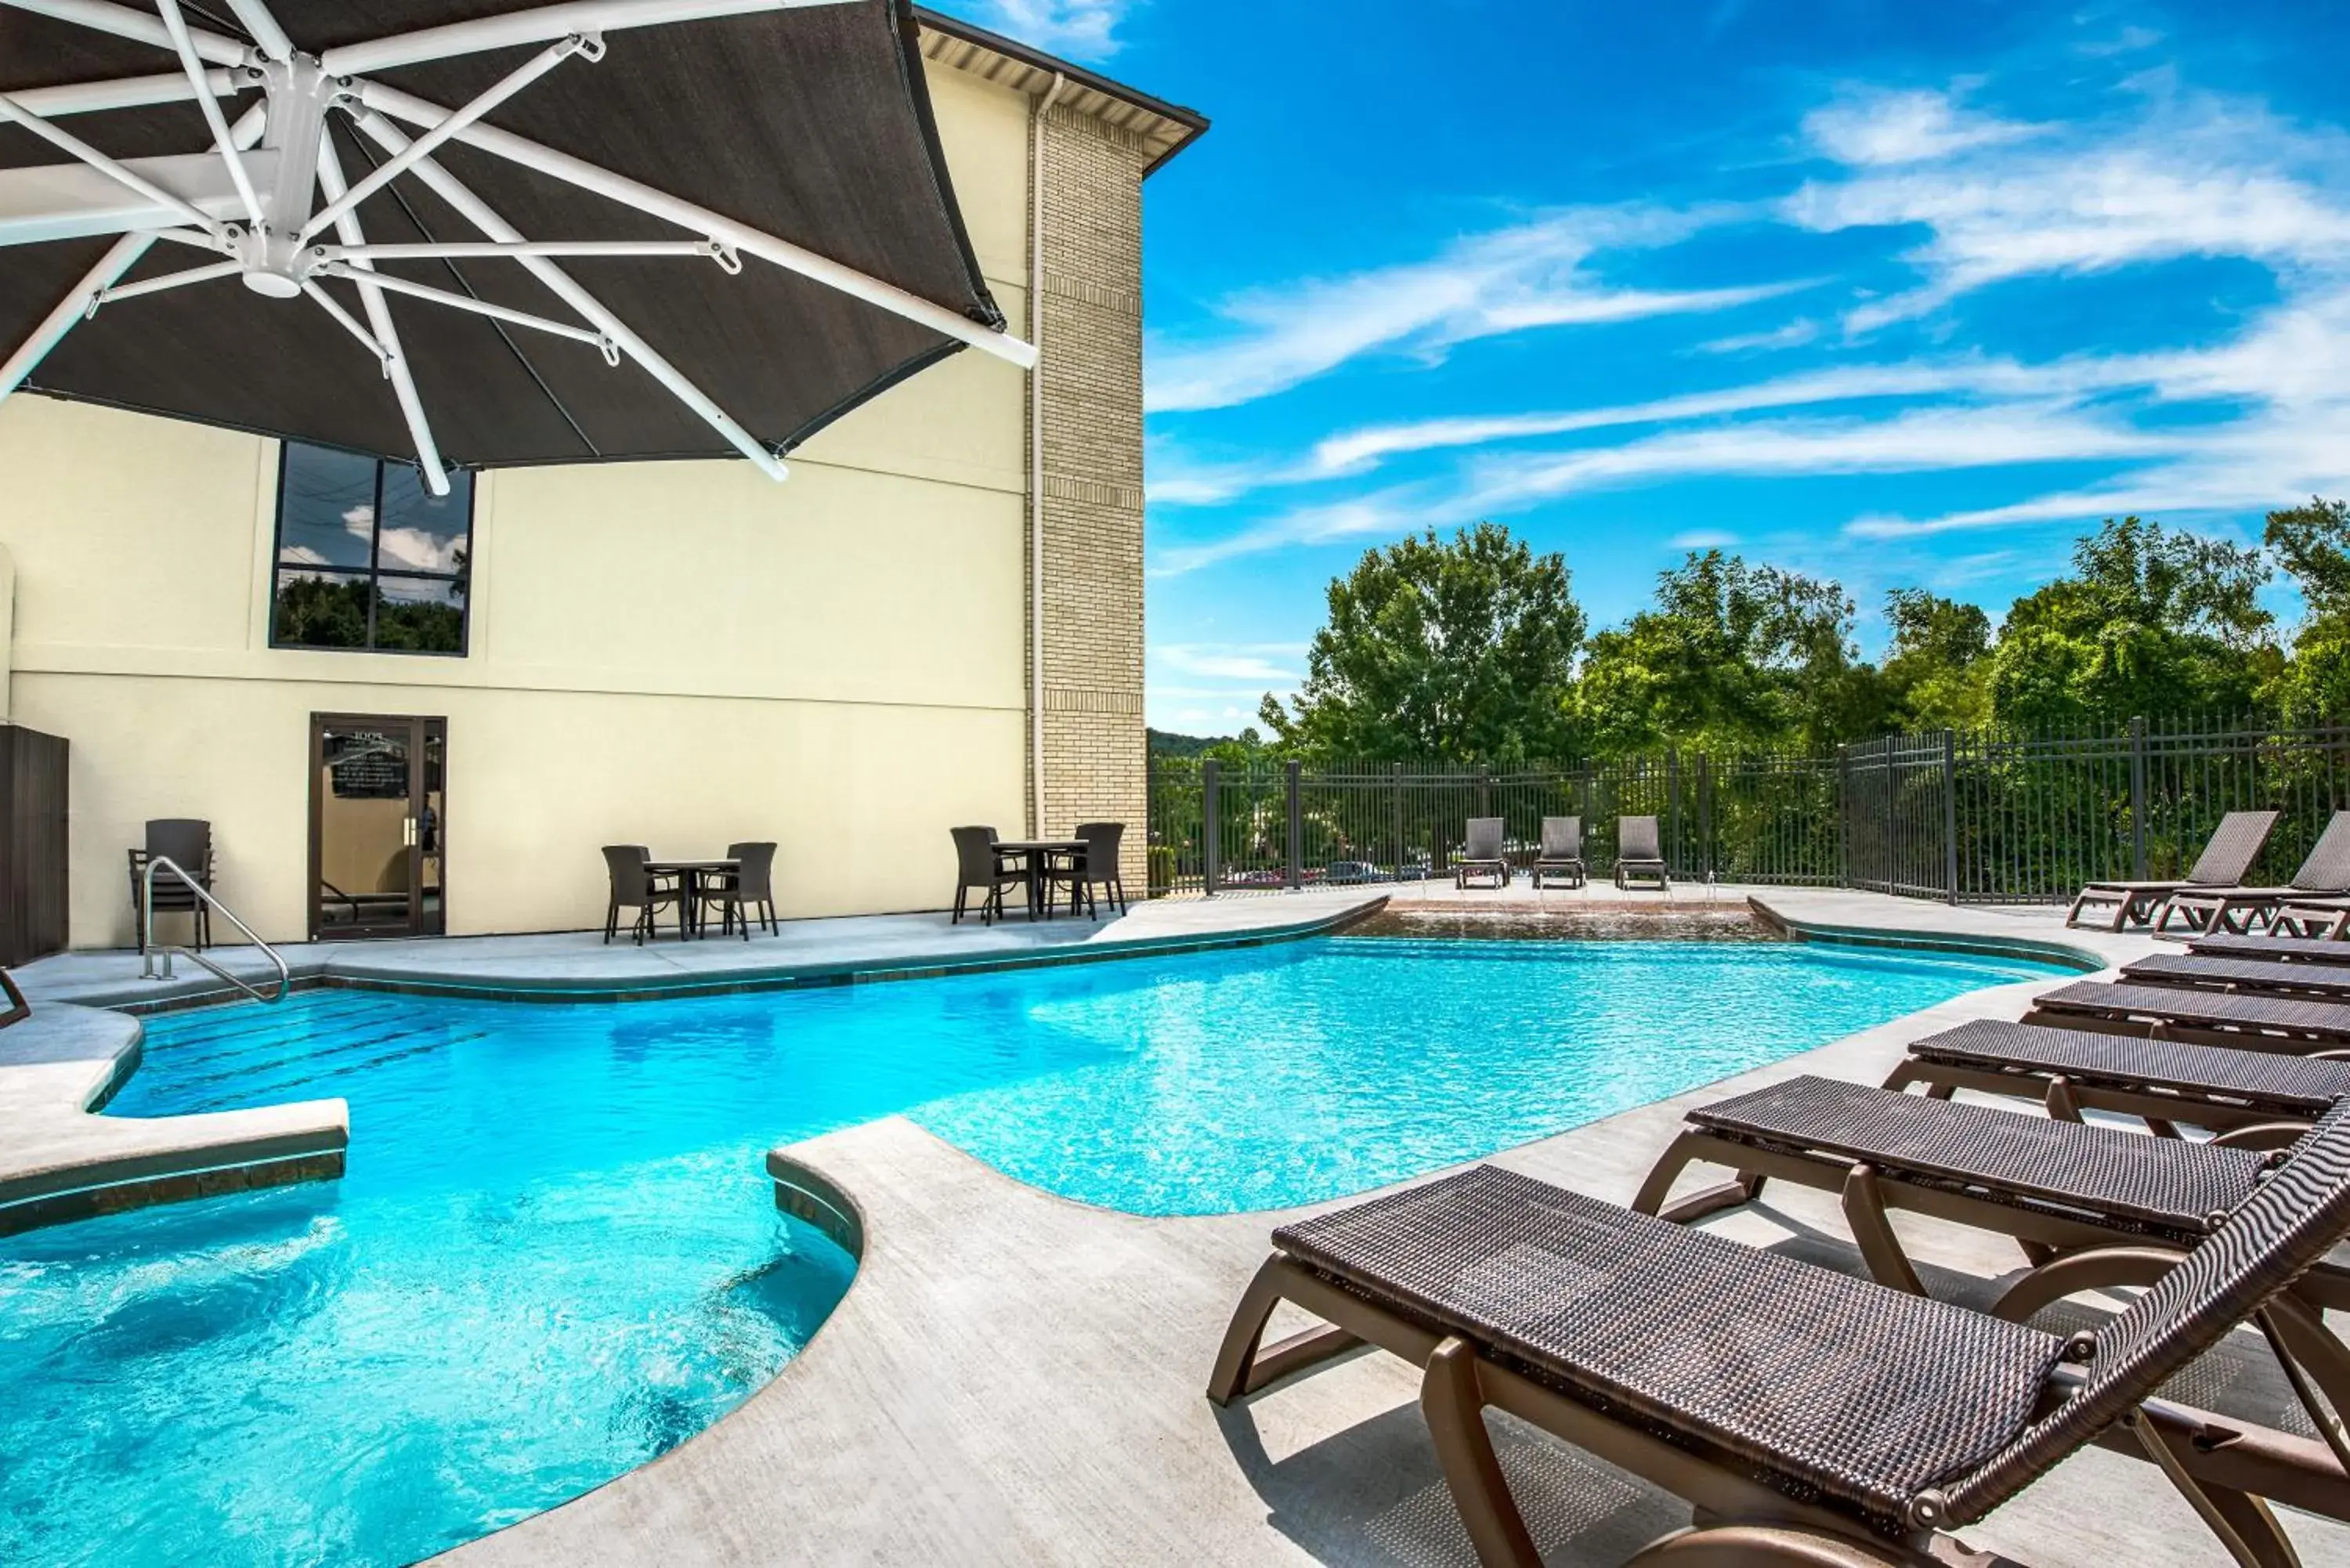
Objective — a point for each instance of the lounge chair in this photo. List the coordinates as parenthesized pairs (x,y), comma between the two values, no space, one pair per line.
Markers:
(1807,1416)
(2281,949)
(2325,873)
(2225,860)
(2326,919)
(2210,972)
(1481,856)
(1637,856)
(2054,1186)
(2162,1082)
(1562,851)
(2174,1012)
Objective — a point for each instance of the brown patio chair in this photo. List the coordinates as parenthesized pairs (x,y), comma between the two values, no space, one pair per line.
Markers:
(1481,854)
(749,887)
(979,864)
(2214,971)
(2054,1186)
(2280,949)
(1562,851)
(2234,845)
(636,887)
(187,843)
(2292,1023)
(1809,1419)
(2325,873)
(1095,866)
(1638,857)
(18,1008)
(2162,1082)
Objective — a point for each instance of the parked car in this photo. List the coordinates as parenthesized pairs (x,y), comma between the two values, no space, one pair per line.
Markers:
(1353,873)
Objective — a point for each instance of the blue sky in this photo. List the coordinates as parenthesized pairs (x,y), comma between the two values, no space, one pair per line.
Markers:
(1891,292)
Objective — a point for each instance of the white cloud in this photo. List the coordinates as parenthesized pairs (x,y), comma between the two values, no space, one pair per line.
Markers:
(1085,28)
(1702,539)
(1872,128)
(1253,662)
(1530,275)
(1794,335)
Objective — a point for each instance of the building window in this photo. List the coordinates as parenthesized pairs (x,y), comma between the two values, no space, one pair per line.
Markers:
(366,557)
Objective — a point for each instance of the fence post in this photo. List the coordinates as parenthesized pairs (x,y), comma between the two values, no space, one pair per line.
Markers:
(1705,810)
(1673,811)
(1844,817)
(2138,798)
(1296,832)
(1211,847)
(1397,772)
(1951,815)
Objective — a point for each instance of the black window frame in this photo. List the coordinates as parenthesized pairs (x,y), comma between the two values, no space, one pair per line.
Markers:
(373,573)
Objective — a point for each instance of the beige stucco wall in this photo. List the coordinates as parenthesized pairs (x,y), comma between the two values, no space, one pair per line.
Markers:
(676,654)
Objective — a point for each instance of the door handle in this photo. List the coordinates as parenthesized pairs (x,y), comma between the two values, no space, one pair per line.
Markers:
(407,831)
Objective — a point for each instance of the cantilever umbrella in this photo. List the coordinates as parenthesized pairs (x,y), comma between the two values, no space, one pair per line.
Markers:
(482,233)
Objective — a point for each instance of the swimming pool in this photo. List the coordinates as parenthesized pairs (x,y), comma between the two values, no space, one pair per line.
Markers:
(555,1254)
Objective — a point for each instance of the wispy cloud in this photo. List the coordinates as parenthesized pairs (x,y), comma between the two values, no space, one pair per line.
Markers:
(1872,127)
(1085,28)
(1794,335)
(1530,275)
(1257,663)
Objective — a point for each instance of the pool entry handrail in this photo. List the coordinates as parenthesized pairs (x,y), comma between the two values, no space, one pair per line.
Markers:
(148,970)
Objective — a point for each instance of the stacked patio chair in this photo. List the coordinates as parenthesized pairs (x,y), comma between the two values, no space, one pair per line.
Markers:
(2257,1022)
(636,887)
(979,866)
(1481,854)
(187,843)
(1562,851)
(1810,1418)
(2281,948)
(1095,866)
(1639,854)
(2214,971)
(2234,845)
(2324,875)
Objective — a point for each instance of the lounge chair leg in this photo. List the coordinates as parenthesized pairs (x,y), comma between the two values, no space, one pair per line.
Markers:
(1683,1152)
(1241,1368)
(1880,1249)
(2063,1104)
(1454,1407)
(2243,1523)
(1758,1546)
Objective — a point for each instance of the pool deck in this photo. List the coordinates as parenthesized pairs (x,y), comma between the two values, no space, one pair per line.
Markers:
(1015,1378)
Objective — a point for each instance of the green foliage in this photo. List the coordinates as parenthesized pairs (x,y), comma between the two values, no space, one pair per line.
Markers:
(1938,670)
(2312,543)
(332,612)
(1454,650)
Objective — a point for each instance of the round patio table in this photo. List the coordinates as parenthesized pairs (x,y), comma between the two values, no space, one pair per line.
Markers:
(1037,850)
(689,875)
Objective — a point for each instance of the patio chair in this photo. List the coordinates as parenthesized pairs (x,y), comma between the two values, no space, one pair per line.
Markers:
(2325,873)
(977,865)
(1562,851)
(2233,847)
(2269,977)
(1638,854)
(1481,855)
(2053,1185)
(1096,866)
(635,888)
(749,887)
(187,843)
(1808,1418)
(2222,1017)
(2161,1082)
(2279,949)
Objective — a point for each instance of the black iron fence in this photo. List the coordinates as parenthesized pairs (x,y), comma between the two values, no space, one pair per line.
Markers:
(1991,816)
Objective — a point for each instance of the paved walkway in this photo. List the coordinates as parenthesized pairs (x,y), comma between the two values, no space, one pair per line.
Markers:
(1015,1378)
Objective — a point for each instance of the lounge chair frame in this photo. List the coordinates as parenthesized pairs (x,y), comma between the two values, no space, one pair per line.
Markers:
(1638,854)
(2325,873)
(2233,845)
(1481,854)
(2256,1022)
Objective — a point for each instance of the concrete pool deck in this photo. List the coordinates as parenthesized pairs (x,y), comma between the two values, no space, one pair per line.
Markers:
(1015,1378)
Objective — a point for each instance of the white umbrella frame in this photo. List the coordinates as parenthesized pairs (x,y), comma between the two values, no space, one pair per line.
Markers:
(254,198)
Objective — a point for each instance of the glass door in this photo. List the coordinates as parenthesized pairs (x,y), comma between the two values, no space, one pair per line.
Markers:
(378,814)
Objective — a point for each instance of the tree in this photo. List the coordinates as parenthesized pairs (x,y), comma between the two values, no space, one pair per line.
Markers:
(1937,672)
(2313,544)
(2153,621)
(1459,649)
(1729,655)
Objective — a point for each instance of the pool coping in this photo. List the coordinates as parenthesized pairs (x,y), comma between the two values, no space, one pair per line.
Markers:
(2086,961)
(62,1159)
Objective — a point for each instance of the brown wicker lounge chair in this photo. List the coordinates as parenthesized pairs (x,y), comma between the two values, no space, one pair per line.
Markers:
(2325,873)
(1638,857)
(2326,919)
(1562,851)
(1810,1419)
(2174,1012)
(2280,949)
(2162,1082)
(1481,854)
(2230,852)
(2211,971)
(2054,1186)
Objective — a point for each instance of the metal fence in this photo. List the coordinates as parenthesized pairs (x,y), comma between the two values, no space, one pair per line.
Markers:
(1992,816)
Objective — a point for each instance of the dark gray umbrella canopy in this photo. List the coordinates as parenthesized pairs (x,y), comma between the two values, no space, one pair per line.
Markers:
(812,125)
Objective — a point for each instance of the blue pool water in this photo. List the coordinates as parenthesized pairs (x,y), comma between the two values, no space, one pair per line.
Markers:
(555,1254)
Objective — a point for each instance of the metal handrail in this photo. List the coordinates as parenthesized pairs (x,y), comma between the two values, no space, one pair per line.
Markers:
(146,936)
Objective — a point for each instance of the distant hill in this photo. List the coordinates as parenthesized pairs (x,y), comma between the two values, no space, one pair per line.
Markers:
(1168,744)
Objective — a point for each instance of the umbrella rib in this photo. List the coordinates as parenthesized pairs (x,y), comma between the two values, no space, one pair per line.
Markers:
(542,160)
(125,22)
(72,310)
(536,26)
(343,319)
(169,280)
(177,25)
(267,35)
(379,314)
(123,92)
(476,306)
(479,213)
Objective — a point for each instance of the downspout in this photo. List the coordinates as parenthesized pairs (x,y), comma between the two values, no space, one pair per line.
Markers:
(1036,460)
